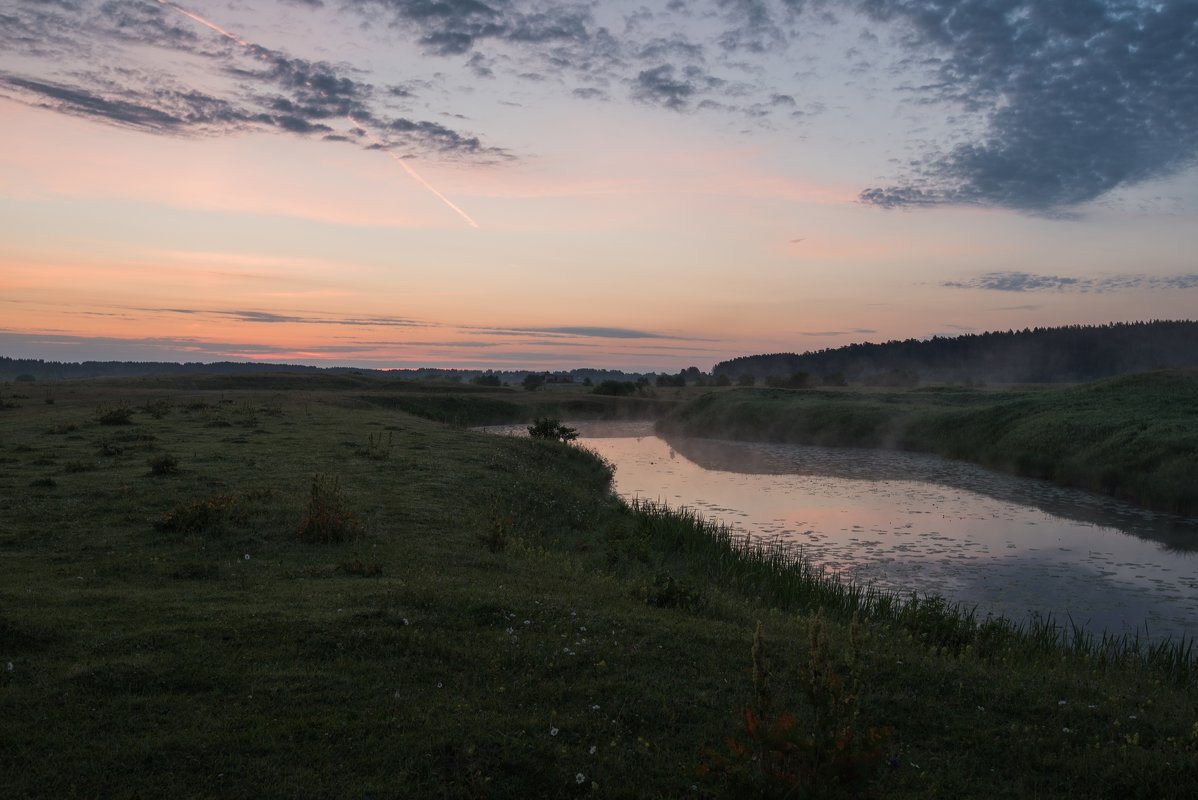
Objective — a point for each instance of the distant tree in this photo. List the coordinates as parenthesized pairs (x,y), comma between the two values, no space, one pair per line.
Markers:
(25,378)
(486,379)
(798,380)
(587,382)
(723,380)
(615,388)
(746,379)
(835,379)
(533,381)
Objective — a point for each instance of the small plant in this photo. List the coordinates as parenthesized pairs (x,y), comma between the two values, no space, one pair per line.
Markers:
(210,514)
(668,592)
(78,466)
(377,447)
(157,408)
(360,568)
(117,415)
(327,519)
(165,464)
(43,483)
(550,428)
(500,527)
(818,753)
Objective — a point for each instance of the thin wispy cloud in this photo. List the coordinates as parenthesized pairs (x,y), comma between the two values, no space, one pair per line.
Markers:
(1028,282)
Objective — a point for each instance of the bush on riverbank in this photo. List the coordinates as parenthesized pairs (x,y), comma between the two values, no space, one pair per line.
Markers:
(1135,437)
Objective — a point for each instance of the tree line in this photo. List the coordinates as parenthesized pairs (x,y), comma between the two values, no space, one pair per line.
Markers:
(1070,353)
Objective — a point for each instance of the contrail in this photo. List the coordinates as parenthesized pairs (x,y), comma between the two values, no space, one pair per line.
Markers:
(206,23)
(373,139)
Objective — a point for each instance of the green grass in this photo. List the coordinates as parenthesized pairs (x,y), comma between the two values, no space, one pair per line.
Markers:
(1135,437)
(489,623)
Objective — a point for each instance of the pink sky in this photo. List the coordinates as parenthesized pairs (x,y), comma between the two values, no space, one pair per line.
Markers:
(677,195)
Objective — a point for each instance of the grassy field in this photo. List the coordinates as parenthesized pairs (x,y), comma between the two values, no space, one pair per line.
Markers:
(291,589)
(1135,437)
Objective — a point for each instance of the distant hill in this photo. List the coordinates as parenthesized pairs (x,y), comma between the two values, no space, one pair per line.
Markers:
(36,369)
(1033,355)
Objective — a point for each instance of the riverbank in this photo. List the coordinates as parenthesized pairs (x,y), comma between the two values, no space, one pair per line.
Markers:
(1134,438)
(299,593)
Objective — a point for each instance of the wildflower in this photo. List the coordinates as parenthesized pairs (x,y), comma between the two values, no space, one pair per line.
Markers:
(8,666)
(1061,703)
(579,778)
(247,556)
(595,707)
(510,631)
(553,731)
(593,750)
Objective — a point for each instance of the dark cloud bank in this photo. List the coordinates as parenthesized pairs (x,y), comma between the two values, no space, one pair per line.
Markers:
(1078,97)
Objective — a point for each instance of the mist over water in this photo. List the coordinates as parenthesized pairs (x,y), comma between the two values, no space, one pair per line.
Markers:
(1009,546)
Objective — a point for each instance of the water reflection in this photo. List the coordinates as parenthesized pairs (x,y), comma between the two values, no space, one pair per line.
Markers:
(902,521)
(1177,533)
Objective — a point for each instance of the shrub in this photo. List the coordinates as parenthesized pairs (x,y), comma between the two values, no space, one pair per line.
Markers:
(668,592)
(164,465)
(817,752)
(550,428)
(119,415)
(533,381)
(327,519)
(615,388)
(210,514)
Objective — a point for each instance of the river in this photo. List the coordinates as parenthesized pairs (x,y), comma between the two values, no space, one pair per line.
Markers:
(1008,546)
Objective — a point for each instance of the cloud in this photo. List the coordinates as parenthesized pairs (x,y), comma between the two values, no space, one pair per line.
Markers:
(1027,282)
(1080,97)
(848,332)
(584,331)
(311,318)
(673,88)
(264,88)
(1073,99)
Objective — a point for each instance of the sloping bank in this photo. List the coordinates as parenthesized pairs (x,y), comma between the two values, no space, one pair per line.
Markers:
(1134,437)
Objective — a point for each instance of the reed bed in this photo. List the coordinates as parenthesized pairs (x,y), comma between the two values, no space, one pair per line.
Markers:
(778,574)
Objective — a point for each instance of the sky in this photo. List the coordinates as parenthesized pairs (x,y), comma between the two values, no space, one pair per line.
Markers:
(543,185)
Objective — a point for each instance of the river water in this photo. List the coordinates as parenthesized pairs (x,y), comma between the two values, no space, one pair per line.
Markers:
(1009,546)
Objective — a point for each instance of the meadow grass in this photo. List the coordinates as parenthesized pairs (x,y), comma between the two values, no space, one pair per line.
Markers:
(489,622)
(1134,437)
